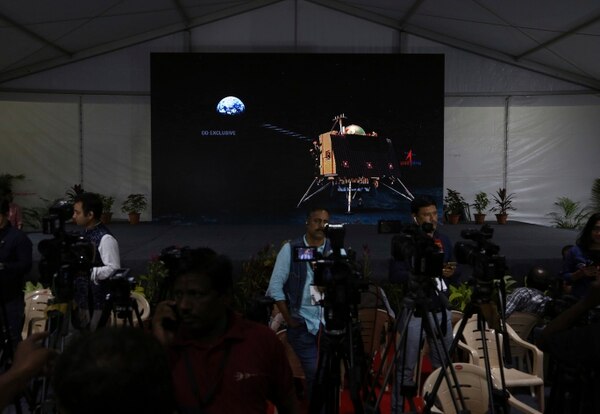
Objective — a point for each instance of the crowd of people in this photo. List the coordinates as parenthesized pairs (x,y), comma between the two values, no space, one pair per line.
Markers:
(199,355)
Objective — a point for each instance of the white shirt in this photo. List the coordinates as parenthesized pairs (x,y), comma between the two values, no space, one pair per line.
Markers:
(109,253)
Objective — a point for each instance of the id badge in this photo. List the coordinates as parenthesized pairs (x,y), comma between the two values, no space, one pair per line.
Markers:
(316,296)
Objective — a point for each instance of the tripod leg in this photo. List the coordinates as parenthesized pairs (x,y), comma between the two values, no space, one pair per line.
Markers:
(406,359)
(440,340)
(324,389)
(106,312)
(136,310)
(356,365)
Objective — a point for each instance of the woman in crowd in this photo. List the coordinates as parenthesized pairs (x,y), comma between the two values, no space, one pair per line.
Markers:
(581,264)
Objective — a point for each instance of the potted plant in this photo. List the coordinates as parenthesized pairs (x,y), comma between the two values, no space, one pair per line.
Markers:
(152,283)
(480,206)
(572,215)
(6,183)
(107,203)
(503,201)
(134,205)
(454,205)
(73,192)
(253,282)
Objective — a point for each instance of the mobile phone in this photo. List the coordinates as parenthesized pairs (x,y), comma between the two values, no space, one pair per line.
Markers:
(171,324)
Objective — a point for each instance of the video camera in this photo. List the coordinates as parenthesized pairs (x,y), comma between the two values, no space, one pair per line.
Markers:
(120,284)
(58,214)
(482,255)
(338,275)
(414,245)
(64,256)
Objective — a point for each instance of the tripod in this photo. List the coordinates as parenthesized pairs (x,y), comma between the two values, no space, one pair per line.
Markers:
(121,308)
(339,346)
(419,315)
(487,314)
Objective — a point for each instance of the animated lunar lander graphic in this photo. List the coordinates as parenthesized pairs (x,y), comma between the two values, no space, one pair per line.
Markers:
(349,160)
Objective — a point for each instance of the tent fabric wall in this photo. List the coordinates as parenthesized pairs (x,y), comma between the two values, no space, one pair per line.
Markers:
(40,139)
(58,141)
(116,147)
(93,121)
(550,150)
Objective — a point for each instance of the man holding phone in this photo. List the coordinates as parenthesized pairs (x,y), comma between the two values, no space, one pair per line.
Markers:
(290,287)
(220,363)
(424,210)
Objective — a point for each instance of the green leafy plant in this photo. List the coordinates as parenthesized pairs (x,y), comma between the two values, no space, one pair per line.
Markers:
(30,287)
(460,296)
(454,202)
(134,203)
(73,192)
(107,203)
(152,282)
(32,216)
(503,201)
(481,202)
(7,181)
(510,283)
(254,279)
(571,214)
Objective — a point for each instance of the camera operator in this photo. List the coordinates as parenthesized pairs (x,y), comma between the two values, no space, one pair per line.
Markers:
(15,262)
(290,288)
(424,210)
(87,210)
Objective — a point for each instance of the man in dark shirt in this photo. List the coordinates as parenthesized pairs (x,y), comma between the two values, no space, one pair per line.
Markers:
(15,263)
(220,363)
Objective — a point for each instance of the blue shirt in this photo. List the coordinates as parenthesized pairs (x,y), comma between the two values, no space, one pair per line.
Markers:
(312,314)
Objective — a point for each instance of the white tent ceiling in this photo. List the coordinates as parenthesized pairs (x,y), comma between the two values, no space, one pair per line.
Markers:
(553,37)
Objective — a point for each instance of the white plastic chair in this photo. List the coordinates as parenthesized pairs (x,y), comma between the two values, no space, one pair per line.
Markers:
(473,386)
(143,307)
(472,343)
(523,323)
(36,303)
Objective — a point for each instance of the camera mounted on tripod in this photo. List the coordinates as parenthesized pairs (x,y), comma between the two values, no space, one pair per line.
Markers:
(482,255)
(66,255)
(338,276)
(415,246)
(120,284)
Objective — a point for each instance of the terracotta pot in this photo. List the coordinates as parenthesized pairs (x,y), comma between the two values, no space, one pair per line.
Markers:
(501,218)
(134,218)
(453,218)
(105,218)
(479,218)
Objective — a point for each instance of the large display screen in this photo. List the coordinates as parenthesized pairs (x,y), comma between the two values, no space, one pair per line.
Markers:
(261,138)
